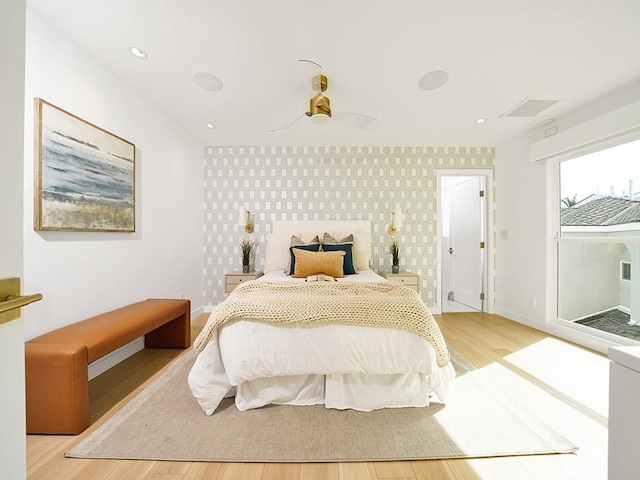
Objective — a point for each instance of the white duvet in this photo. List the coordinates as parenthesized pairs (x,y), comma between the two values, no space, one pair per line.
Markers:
(341,366)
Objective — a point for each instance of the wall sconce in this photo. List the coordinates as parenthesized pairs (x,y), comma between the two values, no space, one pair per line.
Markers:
(245,219)
(396,221)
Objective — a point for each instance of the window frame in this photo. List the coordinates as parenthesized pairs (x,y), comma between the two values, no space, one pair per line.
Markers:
(554,219)
(624,264)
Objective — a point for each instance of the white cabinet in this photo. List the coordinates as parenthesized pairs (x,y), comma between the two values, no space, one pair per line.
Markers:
(624,412)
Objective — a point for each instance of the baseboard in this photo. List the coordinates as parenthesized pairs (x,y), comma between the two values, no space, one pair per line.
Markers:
(570,334)
(112,359)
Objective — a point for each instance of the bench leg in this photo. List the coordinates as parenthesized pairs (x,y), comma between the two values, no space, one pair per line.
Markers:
(174,334)
(57,388)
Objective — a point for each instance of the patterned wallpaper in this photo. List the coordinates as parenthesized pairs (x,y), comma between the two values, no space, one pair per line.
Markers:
(319,183)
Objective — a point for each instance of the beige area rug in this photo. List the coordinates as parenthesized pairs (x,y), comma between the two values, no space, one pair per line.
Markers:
(164,422)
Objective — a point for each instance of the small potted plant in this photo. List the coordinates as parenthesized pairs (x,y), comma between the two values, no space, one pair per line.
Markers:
(246,245)
(394,251)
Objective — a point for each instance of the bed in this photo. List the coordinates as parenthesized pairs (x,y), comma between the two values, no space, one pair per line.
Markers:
(283,339)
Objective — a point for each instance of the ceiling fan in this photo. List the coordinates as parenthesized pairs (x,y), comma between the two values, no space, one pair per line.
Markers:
(320,106)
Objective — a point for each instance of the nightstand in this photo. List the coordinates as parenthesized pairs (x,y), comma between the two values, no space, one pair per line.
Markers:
(233,279)
(407,279)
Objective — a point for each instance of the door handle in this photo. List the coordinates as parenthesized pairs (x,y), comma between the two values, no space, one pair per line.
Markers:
(451,250)
(11,300)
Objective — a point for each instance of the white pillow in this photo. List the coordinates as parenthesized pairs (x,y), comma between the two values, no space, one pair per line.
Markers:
(361,250)
(277,252)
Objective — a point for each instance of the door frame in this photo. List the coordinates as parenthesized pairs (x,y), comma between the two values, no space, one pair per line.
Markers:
(13,438)
(489,228)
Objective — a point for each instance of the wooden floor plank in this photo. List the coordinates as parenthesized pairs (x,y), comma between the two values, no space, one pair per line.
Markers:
(281,471)
(395,470)
(129,469)
(429,470)
(319,471)
(205,471)
(245,471)
(170,468)
(460,469)
(357,471)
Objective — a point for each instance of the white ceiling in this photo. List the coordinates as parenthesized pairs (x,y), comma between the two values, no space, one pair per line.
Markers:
(497,52)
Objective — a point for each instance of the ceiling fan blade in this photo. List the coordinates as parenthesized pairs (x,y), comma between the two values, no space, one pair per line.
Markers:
(308,70)
(356,120)
(288,124)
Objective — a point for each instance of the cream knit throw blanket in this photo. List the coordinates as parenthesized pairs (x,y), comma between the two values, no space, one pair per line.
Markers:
(366,304)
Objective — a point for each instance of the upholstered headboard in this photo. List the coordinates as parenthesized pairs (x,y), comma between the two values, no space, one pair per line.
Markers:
(277,251)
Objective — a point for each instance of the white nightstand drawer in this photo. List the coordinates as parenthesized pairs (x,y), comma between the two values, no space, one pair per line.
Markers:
(407,279)
(233,279)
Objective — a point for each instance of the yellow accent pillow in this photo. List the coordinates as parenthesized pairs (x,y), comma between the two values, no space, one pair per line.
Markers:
(312,263)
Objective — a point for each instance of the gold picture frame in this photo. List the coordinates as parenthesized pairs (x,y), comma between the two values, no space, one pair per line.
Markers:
(84,175)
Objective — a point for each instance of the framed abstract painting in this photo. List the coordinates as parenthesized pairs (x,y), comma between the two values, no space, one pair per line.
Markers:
(84,175)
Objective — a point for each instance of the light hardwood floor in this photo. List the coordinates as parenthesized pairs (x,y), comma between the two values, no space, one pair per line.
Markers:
(563,384)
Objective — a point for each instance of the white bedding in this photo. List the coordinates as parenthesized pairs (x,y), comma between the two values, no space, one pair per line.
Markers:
(341,366)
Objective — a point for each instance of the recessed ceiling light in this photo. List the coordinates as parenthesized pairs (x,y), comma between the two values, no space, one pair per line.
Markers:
(138,53)
(208,81)
(481,120)
(210,125)
(433,80)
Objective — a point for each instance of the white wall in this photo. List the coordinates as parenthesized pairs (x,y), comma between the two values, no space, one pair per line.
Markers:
(84,274)
(588,287)
(12,409)
(521,239)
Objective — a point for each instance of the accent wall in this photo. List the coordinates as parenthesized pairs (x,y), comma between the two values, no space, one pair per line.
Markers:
(320,183)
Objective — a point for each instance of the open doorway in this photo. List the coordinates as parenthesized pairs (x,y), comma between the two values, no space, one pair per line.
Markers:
(462,240)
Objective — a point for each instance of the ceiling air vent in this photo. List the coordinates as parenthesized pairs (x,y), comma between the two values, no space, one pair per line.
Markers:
(530,107)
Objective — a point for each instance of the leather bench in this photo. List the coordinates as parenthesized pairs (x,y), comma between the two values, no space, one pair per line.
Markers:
(57,363)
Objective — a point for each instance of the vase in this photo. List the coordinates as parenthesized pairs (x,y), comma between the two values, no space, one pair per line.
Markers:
(245,268)
(395,268)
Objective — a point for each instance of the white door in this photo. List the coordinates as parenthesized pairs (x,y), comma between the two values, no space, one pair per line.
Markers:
(12,407)
(466,252)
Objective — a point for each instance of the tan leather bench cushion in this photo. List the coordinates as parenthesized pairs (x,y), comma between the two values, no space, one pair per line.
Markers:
(105,333)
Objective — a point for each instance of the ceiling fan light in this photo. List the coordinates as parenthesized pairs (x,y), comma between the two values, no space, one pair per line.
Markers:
(320,118)
(319,83)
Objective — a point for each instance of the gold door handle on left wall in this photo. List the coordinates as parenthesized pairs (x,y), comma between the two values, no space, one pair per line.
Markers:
(11,300)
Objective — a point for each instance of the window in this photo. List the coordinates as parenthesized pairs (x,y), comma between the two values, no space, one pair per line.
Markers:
(600,193)
(599,216)
(625,271)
